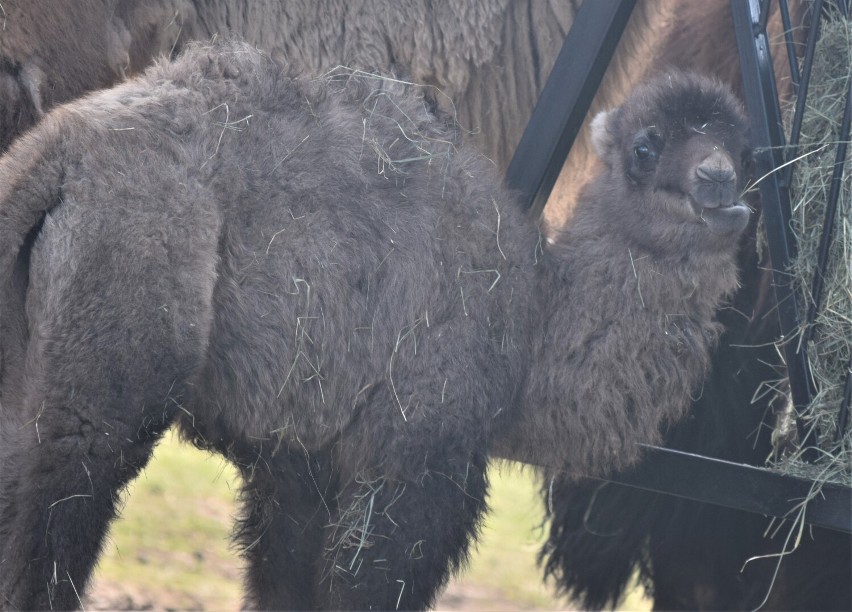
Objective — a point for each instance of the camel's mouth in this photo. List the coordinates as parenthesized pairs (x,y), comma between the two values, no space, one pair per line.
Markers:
(725,220)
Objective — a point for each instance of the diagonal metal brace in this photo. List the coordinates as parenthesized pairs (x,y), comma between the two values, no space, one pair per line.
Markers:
(565,100)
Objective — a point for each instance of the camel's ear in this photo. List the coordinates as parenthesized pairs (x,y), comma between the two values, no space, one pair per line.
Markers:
(601,137)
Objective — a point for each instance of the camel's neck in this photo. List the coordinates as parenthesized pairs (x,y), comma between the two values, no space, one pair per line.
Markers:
(623,343)
(609,275)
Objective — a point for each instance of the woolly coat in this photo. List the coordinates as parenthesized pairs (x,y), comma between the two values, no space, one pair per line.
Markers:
(291,264)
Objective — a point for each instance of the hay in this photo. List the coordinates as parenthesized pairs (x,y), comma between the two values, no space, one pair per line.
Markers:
(382,102)
(829,351)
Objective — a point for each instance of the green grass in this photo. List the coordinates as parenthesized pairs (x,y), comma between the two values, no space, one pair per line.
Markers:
(171,547)
(503,570)
(504,560)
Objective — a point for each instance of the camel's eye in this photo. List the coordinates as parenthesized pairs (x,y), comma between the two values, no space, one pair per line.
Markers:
(642,152)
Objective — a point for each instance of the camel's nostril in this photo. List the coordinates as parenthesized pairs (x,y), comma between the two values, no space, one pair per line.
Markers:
(715,179)
(715,174)
(716,168)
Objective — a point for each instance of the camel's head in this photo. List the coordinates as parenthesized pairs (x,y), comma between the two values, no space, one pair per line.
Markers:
(677,151)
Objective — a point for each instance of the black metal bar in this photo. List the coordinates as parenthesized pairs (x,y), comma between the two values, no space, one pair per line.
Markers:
(843,414)
(768,136)
(740,486)
(565,99)
(799,112)
(817,288)
(792,57)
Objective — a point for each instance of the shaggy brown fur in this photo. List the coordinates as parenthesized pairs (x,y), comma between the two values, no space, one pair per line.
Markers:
(54,52)
(489,58)
(318,281)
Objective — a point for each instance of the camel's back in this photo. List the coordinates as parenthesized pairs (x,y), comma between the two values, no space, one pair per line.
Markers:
(357,231)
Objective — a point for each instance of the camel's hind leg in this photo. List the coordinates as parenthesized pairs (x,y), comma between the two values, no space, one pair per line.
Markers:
(60,486)
(114,337)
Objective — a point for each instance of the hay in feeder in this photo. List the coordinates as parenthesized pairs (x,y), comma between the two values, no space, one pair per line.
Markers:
(829,351)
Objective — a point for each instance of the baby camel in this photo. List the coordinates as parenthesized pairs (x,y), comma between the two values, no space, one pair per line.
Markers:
(315,278)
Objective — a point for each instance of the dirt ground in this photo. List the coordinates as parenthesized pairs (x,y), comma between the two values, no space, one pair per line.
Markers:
(105,595)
